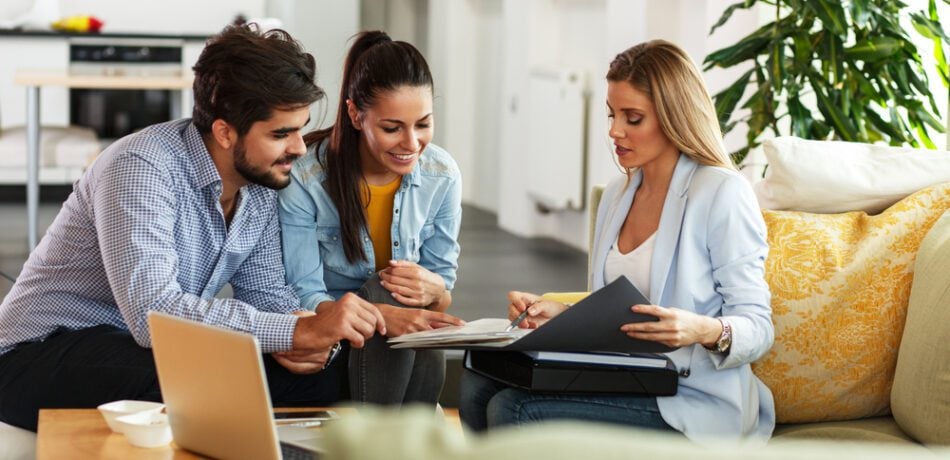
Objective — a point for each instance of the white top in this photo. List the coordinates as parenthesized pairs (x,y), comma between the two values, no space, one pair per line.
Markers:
(634,264)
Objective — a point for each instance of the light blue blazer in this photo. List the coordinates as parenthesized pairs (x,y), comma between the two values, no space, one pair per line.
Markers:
(710,259)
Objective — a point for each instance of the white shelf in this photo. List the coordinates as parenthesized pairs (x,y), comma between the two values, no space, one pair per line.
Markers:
(48,176)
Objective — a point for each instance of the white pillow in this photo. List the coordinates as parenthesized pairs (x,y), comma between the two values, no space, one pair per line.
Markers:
(834,176)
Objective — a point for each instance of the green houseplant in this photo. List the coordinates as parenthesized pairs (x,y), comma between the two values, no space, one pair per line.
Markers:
(836,70)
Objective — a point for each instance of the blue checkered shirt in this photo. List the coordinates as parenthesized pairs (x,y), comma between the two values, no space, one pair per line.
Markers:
(144,231)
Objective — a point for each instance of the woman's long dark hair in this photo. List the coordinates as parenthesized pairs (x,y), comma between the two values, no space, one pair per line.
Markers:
(374,65)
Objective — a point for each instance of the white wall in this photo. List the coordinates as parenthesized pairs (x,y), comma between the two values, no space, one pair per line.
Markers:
(324,28)
(481,52)
(165,16)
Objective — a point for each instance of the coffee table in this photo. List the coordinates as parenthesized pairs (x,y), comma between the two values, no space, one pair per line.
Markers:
(82,433)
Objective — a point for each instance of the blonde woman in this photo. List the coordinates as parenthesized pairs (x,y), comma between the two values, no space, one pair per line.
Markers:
(685,228)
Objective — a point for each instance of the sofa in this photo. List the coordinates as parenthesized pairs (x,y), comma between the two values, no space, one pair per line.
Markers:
(415,434)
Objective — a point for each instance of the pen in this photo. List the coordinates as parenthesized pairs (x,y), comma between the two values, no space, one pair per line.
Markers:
(520,318)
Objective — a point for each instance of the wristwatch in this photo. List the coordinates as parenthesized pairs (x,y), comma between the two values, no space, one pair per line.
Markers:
(725,339)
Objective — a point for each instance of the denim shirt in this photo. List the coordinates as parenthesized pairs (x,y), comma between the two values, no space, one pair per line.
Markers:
(427,214)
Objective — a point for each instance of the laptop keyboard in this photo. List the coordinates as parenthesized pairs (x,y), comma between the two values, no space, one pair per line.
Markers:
(291,452)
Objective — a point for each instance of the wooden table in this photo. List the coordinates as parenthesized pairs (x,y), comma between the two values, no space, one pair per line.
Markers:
(83,433)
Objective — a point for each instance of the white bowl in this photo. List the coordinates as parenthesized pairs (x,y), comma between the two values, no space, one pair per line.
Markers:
(115,409)
(146,429)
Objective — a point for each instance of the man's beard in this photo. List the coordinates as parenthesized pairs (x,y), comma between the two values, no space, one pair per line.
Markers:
(265,177)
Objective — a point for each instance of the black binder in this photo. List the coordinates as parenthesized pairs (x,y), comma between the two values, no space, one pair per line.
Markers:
(520,370)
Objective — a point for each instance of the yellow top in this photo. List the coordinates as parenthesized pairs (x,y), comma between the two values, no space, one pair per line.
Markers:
(379,219)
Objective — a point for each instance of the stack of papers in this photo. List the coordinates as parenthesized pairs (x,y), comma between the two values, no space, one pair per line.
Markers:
(487,332)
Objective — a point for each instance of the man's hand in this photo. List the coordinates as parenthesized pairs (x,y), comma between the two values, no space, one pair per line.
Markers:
(302,361)
(401,321)
(412,284)
(349,318)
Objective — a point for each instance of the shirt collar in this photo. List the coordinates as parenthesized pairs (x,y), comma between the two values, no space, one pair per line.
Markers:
(204,171)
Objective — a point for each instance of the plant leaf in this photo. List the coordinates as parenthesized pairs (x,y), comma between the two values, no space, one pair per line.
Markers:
(882,125)
(727,100)
(801,118)
(928,27)
(832,112)
(748,47)
(874,49)
(776,63)
(860,13)
(831,15)
(745,4)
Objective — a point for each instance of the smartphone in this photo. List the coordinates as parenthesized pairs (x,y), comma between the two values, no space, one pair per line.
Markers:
(304,416)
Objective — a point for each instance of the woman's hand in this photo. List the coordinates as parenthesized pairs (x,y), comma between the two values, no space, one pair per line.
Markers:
(412,284)
(675,328)
(539,310)
(401,321)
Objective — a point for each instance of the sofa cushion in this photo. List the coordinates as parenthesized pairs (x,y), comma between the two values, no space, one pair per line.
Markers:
(875,429)
(920,398)
(16,443)
(415,434)
(840,285)
(832,177)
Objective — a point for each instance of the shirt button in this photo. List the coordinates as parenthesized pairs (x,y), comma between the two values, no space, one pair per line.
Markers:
(396,210)
(396,244)
(369,272)
(334,238)
(365,238)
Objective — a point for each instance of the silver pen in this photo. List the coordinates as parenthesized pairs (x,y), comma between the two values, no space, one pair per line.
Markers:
(520,318)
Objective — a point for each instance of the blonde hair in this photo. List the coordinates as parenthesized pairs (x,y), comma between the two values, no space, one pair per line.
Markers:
(667,75)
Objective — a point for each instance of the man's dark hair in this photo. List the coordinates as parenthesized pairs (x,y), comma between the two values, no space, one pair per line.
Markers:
(244,74)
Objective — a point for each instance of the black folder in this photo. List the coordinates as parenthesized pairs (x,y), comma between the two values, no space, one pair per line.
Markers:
(520,370)
(593,324)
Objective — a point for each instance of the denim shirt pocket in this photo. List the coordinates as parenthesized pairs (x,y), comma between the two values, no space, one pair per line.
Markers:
(417,241)
(331,248)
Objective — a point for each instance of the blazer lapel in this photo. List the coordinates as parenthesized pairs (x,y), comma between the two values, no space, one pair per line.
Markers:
(671,223)
(608,233)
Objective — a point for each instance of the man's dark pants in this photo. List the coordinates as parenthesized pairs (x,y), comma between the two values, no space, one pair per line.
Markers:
(89,367)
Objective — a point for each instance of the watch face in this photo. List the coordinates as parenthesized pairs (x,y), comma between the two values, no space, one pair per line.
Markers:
(724,343)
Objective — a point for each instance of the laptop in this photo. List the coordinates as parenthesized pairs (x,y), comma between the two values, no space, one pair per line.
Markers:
(215,391)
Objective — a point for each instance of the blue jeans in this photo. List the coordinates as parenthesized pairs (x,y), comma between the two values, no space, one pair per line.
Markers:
(381,375)
(486,403)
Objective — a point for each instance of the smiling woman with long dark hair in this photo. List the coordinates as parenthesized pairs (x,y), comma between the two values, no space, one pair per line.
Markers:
(373,195)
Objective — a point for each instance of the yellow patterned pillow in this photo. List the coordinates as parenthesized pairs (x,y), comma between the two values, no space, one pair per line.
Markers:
(840,285)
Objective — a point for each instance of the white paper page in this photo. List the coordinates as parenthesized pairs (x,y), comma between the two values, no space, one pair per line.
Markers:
(487,330)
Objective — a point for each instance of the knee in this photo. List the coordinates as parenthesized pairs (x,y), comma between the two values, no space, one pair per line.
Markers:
(509,407)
